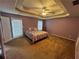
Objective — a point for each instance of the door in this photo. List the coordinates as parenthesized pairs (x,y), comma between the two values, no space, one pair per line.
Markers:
(17,27)
(6,28)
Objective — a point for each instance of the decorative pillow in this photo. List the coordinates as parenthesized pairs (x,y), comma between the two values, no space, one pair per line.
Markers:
(35,29)
(30,29)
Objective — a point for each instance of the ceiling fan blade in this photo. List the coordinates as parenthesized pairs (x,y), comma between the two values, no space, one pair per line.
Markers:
(60,14)
(43,6)
(41,1)
(31,7)
(52,5)
(53,11)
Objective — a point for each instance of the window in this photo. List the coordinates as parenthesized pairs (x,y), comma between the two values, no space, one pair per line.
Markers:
(40,24)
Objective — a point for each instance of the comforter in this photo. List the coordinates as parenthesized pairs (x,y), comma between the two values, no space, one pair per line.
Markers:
(36,35)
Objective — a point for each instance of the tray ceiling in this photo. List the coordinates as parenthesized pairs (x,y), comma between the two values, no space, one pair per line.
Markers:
(8,6)
(42,8)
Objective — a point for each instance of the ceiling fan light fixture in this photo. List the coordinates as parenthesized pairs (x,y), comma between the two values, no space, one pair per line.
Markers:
(44,14)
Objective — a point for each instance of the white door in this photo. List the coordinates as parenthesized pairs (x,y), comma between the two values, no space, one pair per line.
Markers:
(6,28)
(17,28)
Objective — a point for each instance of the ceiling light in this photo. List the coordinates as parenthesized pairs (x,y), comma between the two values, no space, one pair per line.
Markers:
(44,14)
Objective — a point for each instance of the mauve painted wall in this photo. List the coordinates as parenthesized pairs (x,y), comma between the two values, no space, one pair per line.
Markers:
(64,27)
(29,22)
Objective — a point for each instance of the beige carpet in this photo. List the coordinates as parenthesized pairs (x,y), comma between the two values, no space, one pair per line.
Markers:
(50,48)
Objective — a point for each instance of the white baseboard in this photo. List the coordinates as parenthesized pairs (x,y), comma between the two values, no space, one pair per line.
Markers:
(12,39)
(63,37)
(8,40)
(18,37)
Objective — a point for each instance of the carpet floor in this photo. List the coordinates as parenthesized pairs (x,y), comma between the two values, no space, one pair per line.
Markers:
(49,48)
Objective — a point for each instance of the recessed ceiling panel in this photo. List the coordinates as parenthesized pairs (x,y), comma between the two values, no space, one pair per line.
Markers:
(52,8)
(32,3)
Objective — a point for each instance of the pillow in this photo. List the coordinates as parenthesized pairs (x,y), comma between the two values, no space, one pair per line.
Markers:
(35,29)
(30,29)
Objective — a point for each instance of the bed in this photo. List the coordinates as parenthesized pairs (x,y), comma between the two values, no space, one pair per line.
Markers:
(36,35)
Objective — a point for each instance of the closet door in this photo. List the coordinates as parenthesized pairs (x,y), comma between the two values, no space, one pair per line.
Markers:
(2,47)
(6,28)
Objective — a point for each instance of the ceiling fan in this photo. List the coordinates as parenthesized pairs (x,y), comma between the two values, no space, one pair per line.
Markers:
(43,8)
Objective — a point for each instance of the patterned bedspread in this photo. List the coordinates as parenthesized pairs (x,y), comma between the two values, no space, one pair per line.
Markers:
(36,35)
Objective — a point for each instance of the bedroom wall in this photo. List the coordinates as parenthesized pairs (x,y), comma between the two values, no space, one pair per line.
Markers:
(64,27)
(29,22)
